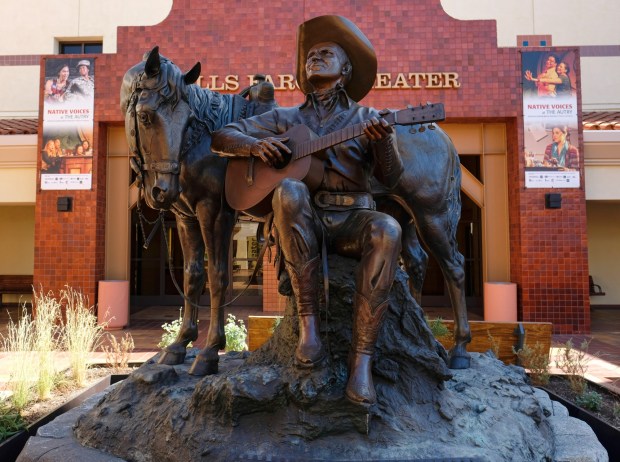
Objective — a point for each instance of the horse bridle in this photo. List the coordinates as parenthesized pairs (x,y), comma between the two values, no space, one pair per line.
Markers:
(138,159)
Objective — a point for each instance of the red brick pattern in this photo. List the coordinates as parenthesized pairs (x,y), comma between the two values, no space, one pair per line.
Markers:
(272,300)
(20,60)
(548,247)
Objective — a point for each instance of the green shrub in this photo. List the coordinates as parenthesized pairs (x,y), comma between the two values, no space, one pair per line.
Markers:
(438,328)
(10,422)
(171,331)
(236,334)
(590,400)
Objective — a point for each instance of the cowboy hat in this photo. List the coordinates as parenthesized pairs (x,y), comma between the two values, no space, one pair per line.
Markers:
(339,30)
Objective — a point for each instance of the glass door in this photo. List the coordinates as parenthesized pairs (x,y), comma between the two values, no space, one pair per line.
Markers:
(152,282)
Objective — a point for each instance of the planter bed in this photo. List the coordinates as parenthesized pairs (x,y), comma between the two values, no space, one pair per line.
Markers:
(11,447)
(603,424)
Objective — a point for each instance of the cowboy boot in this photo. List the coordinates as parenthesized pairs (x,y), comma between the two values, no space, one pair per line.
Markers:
(305,283)
(366,324)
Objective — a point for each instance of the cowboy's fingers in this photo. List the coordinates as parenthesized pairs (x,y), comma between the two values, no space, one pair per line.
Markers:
(377,129)
(370,131)
(258,150)
(279,142)
(273,151)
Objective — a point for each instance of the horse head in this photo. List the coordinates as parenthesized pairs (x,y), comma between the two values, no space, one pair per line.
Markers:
(157,114)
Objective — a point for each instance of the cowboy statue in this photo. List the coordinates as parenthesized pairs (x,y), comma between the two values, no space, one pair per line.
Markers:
(336,67)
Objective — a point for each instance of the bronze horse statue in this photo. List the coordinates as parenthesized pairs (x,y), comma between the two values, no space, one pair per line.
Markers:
(427,200)
(169,123)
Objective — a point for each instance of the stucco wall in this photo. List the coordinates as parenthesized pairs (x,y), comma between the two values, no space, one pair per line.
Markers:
(604,249)
(17,239)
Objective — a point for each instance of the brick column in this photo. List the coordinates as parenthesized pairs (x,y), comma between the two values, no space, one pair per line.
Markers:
(70,246)
(548,248)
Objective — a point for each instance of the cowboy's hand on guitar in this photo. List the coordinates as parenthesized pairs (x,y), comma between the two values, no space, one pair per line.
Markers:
(269,150)
(377,129)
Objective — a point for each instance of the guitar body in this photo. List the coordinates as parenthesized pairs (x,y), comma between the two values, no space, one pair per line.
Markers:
(250,182)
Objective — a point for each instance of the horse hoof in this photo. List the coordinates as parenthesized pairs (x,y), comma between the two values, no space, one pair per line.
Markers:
(201,366)
(171,358)
(459,362)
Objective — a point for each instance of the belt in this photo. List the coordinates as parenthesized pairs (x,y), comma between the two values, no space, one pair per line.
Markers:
(344,201)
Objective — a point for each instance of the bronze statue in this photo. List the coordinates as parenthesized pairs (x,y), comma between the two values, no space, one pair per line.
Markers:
(168,125)
(336,68)
(178,172)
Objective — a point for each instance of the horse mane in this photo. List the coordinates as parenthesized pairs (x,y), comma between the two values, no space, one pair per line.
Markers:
(211,108)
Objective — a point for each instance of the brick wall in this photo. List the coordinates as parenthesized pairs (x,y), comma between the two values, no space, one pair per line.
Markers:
(548,247)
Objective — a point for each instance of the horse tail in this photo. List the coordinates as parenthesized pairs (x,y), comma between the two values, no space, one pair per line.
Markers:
(454,199)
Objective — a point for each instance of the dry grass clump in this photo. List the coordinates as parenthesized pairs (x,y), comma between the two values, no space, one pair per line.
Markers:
(117,353)
(19,341)
(536,360)
(574,363)
(46,340)
(82,334)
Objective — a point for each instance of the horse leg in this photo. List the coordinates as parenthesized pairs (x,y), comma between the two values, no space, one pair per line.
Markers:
(193,283)
(415,260)
(436,232)
(217,233)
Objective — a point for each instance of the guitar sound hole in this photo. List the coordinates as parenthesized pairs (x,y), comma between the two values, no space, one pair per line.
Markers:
(286,159)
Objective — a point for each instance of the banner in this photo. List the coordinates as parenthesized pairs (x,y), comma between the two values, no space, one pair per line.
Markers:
(68,119)
(551,120)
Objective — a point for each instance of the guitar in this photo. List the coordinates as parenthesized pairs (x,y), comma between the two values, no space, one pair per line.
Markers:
(250,182)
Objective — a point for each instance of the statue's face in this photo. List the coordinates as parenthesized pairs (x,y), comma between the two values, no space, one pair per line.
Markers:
(326,61)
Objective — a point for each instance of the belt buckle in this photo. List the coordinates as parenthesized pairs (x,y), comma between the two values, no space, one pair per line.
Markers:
(318,199)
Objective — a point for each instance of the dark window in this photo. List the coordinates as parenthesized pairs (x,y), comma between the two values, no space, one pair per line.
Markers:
(81,48)
(526,43)
(543,43)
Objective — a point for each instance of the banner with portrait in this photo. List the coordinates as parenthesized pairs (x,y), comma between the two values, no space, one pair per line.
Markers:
(552,157)
(68,120)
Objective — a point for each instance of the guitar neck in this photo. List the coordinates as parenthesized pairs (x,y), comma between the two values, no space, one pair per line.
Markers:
(409,116)
(310,147)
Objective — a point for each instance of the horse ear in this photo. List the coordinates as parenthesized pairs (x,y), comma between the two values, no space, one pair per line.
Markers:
(192,75)
(152,66)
